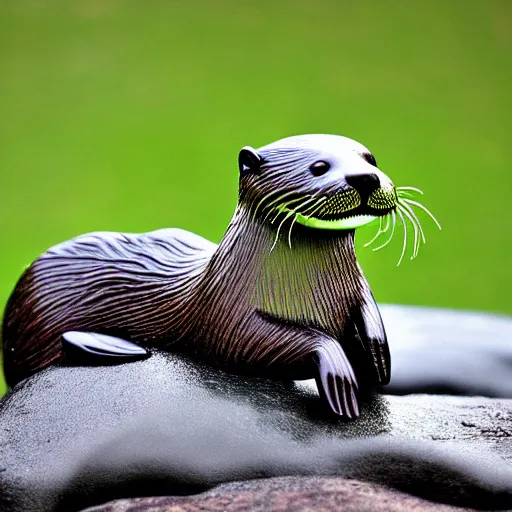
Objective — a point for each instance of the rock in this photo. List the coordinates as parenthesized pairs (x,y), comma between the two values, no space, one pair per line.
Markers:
(73,436)
(297,494)
(444,351)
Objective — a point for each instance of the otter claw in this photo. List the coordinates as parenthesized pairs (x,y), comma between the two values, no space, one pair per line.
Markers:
(337,383)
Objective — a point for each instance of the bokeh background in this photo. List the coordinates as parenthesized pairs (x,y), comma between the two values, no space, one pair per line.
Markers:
(128,116)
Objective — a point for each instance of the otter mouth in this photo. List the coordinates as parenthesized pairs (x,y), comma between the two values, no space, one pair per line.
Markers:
(348,210)
(352,222)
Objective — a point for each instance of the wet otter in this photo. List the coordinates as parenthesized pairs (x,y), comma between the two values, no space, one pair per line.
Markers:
(281,296)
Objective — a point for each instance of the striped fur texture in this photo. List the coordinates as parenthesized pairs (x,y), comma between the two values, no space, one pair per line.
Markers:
(274,298)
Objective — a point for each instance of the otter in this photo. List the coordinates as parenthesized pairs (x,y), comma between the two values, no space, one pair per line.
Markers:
(281,296)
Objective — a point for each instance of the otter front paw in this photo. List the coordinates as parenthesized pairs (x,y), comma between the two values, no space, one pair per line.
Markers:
(336,381)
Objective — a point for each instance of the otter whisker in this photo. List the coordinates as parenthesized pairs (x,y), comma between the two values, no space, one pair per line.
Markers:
(411,211)
(315,207)
(425,209)
(416,246)
(393,221)
(413,189)
(287,216)
(313,198)
(280,209)
(262,202)
(279,200)
(290,231)
(283,208)
(262,205)
(388,221)
(276,216)
(274,212)
(379,232)
(295,217)
(404,193)
(404,247)
(408,217)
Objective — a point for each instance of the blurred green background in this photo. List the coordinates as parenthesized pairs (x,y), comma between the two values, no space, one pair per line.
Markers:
(128,116)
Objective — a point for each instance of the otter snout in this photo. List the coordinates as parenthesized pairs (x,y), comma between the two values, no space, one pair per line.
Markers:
(364,183)
(374,188)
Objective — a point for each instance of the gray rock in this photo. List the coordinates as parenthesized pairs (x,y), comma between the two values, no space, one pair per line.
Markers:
(72,437)
(444,351)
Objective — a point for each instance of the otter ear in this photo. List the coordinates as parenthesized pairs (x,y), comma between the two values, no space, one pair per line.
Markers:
(249,160)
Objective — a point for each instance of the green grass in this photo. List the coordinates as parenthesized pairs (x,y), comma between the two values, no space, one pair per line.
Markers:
(128,116)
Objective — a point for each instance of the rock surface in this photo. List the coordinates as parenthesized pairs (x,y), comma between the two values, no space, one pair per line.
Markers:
(285,494)
(72,436)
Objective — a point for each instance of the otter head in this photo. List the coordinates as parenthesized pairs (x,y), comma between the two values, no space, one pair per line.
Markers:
(324,182)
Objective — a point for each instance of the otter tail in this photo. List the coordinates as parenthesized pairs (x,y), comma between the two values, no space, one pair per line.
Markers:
(133,286)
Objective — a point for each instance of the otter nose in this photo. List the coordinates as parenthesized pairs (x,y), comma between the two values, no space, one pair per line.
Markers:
(364,183)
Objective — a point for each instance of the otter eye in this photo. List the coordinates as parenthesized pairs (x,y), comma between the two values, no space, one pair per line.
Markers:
(370,159)
(319,168)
